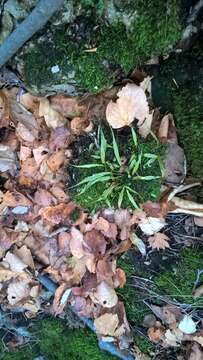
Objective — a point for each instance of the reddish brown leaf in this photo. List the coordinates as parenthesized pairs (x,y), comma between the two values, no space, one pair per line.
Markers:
(57,214)
(15,198)
(56,160)
(95,242)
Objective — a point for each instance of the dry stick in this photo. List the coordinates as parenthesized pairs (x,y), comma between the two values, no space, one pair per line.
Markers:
(34,22)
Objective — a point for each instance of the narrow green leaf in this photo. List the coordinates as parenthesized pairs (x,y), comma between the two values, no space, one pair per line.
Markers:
(146,178)
(107,193)
(115,149)
(132,200)
(88,166)
(93,177)
(134,136)
(90,184)
(137,165)
(150,156)
(120,198)
(103,147)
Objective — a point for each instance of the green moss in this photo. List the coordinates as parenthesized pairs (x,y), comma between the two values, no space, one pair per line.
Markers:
(150,34)
(57,343)
(178,88)
(93,198)
(178,282)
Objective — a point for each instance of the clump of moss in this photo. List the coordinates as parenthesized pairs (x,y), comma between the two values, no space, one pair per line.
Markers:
(117,46)
(178,282)
(130,178)
(54,342)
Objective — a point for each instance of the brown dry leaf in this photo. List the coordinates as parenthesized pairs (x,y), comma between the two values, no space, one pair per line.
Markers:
(76,243)
(198,292)
(105,295)
(80,124)
(6,275)
(95,242)
(198,221)
(174,165)
(25,152)
(56,160)
(4,110)
(15,198)
(24,133)
(59,138)
(30,102)
(17,291)
(56,306)
(52,118)
(8,159)
(59,193)
(14,262)
(179,205)
(167,130)
(144,127)
(44,198)
(40,153)
(173,337)
(57,214)
(67,106)
(29,174)
(155,333)
(25,255)
(196,353)
(159,241)
(19,114)
(106,324)
(120,278)
(131,104)
(198,339)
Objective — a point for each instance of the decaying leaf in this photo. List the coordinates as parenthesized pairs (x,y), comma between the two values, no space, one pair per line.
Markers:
(105,295)
(173,337)
(57,214)
(198,292)
(151,225)
(17,290)
(159,241)
(52,118)
(106,324)
(14,262)
(131,104)
(8,159)
(155,333)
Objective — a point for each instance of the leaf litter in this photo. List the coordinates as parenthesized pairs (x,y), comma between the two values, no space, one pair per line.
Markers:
(80,255)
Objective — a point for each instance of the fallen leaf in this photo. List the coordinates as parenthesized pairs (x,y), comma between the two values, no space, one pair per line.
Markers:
(198,339)
(155,334)
(187,325)
(106,324)
(66,105)
(198,221)
(144,127)
(159,241)
(196,353)
(152,225)
(198,292)
(59,138)
(173,337)
(14,262)
(138,243)
(56,160)
(56,306)
(44,198)
(17,291)
(52,118)
(6,275)
(25,152)
(8,160)
(131,104)
(4,110)
(167,130)
(25,255)
(79,125)
(76,243)
(105,295)
(24,133)
(29,101)
(15,198)
(40,153)
(57,214)
(174,165)
(95,242)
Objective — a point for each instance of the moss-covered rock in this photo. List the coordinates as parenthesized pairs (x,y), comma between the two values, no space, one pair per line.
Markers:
(120,34)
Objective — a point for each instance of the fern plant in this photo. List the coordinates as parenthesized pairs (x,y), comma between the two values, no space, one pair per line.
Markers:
(118,178)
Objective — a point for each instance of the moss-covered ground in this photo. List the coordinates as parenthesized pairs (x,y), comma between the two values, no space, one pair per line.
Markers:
(154,31)
(53,341)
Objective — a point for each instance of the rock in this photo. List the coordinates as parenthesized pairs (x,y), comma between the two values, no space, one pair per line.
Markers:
(94,44)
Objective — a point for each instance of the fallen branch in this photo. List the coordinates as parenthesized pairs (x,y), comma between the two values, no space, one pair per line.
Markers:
(34,22)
